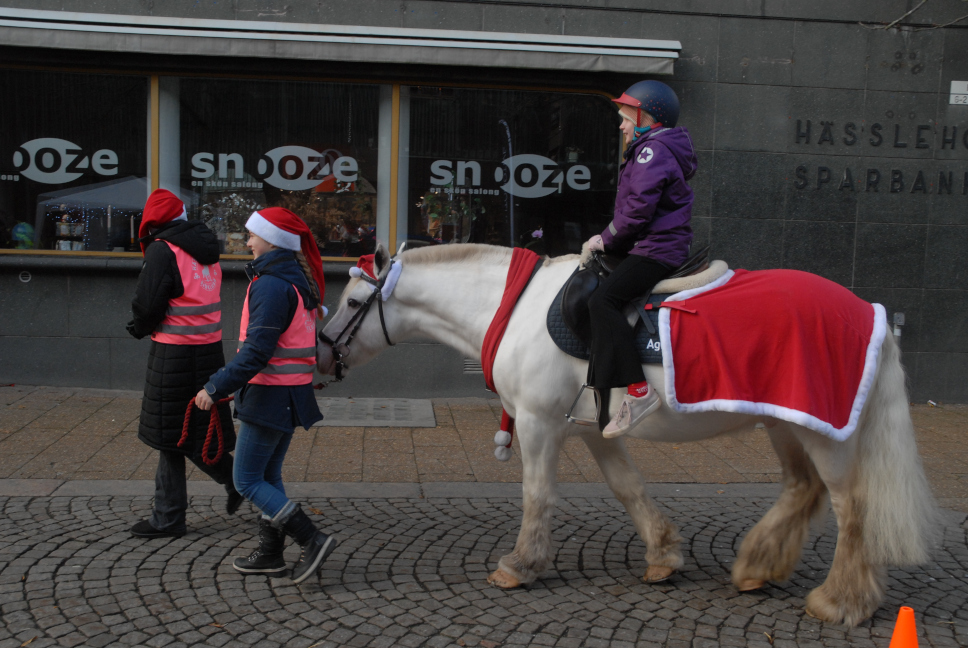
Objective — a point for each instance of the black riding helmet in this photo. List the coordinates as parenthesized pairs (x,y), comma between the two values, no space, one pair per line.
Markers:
(655,98)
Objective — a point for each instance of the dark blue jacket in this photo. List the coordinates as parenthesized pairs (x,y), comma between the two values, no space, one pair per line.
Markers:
(653,205)
(272,305)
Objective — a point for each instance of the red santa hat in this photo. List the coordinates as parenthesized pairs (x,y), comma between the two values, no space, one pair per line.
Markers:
(162,207)
(282,228)
(364,266)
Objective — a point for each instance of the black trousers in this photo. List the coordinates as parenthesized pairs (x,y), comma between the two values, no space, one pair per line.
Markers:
(171,486)
(614,360)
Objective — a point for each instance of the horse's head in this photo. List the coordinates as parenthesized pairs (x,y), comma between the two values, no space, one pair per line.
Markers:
(357,333)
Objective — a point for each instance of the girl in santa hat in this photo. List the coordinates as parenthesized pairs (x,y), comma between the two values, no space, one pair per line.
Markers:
(272,379)
(177,303)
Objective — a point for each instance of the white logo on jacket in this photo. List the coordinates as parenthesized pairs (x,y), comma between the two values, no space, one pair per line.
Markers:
(648,155)
(208,281)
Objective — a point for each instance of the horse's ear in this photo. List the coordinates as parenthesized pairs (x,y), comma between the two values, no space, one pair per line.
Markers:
(381,260)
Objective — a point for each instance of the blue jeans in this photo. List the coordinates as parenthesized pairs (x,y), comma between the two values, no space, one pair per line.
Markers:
(259,453)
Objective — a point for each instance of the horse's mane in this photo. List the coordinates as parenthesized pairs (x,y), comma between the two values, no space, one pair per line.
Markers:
(466,253)
(462,253)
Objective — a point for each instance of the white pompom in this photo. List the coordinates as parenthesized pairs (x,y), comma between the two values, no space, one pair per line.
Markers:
(356,272)
(502,438)
(325,311)
(502,453)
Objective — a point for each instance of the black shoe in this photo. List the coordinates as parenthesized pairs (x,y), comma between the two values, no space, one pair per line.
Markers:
(312,556)
(234,501)
(315,544)
(267,559)
(144,529)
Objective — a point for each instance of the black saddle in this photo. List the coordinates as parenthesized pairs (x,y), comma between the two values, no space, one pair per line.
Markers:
(569,322)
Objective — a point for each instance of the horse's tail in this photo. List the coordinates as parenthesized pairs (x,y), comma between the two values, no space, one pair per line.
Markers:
(901,517)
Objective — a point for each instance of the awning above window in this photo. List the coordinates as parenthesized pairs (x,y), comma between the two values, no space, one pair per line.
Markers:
(189,36)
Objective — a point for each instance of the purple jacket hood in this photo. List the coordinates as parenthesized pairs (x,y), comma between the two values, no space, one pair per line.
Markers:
(653,204)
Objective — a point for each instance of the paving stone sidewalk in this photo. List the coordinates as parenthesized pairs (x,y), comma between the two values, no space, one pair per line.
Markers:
(81,434)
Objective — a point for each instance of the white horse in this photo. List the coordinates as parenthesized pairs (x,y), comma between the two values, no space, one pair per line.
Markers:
(883,505)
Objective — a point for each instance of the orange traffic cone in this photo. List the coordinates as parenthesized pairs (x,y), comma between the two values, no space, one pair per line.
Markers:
(905,632)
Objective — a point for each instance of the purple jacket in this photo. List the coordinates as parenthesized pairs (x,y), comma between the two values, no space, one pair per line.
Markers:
(654,204)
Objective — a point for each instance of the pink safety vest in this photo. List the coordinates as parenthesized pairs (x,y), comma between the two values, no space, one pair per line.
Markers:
(294,359)
(196,316)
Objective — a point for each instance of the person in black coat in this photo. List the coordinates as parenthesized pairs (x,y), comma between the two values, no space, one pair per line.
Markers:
(177,303)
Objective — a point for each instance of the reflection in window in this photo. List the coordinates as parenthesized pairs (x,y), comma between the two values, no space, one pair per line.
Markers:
(247,144)
(535,169)
(73,156)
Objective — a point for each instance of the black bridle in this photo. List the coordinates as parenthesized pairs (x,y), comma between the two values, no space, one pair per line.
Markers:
(356,321)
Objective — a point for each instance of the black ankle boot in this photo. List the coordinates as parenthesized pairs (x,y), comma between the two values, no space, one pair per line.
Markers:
(315,544)
(234,500)
(267,559)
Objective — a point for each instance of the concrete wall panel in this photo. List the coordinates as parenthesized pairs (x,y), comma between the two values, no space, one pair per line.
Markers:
(56,361)
(890,255)
(945,321)
(830,56)
(38,307)
(946,257)
(100,305)
(747,243)
(826,249)
(905,60)
(756,51)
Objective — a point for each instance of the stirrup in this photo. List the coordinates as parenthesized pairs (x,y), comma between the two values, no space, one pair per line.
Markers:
(598,407)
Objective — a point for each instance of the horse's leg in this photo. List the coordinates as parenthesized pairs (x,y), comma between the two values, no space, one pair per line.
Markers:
(772,548)
(657,532)
(854,587)
(885,512)
(540,448)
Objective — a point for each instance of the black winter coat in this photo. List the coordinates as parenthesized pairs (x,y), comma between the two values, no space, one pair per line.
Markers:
(175,371)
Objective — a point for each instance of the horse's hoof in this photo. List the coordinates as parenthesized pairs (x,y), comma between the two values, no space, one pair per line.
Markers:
(657,574)
(504,580)
(750,584)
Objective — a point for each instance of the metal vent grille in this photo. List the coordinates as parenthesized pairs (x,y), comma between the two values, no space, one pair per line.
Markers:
(472,367)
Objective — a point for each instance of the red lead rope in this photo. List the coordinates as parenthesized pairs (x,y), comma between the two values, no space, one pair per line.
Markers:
(214,425)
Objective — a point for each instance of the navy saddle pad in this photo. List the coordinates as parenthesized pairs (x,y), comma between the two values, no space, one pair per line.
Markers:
(646,344)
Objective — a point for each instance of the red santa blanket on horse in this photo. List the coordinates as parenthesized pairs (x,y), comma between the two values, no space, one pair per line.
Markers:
(779,343)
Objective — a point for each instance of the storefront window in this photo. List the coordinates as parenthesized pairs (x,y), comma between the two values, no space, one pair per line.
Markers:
(73,157)
(245,144)
(506,167)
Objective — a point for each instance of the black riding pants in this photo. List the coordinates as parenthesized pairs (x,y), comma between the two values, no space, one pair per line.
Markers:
(615,362)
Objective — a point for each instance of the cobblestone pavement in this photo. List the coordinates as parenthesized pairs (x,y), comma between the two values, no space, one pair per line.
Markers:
(411,572)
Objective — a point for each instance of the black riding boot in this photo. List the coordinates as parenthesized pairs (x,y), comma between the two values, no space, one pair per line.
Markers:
(267,559)
(315,544)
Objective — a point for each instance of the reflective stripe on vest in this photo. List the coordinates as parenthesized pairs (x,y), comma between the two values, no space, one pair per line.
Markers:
(294,358)
(196,316)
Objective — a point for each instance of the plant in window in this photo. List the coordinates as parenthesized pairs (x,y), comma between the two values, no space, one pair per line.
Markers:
(226,217)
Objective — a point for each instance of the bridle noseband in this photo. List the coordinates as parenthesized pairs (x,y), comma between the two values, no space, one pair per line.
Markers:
(356,321)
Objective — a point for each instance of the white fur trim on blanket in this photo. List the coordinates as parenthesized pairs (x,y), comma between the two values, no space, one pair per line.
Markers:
(715,270)
(768,409)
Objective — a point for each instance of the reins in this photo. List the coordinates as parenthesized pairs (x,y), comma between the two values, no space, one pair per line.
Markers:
(214,425)
(355,322)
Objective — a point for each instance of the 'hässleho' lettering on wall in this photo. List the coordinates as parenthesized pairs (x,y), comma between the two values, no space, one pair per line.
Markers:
(895,135)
